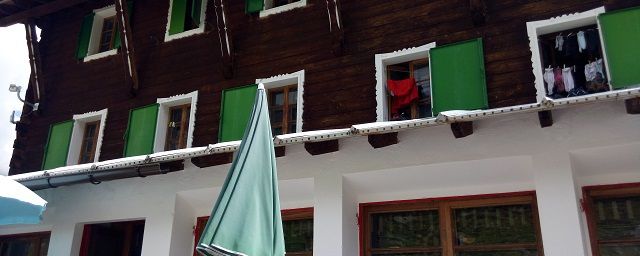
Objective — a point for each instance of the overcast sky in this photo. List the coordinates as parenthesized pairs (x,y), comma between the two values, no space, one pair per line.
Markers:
(14,69)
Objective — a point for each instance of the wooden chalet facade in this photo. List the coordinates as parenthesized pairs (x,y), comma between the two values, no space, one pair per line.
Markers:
(140,79)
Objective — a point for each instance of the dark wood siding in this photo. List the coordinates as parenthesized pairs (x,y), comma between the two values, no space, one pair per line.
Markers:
(339,91)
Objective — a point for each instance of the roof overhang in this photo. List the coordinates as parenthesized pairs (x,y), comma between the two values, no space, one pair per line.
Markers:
(21,11)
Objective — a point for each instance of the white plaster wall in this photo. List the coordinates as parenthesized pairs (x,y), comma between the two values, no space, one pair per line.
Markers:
(599,143)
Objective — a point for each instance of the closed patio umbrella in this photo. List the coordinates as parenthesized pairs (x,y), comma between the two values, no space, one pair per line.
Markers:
(18,204)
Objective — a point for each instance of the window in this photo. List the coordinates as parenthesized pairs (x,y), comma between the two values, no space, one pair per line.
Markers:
(34,244)
(113,239)
(584,53)
(269,7)
(177,127)
(100,34)
(175,122)
(285,101)
(498,225)
(423,81)
(613,215)
(186,18)
(86,139)
(297,226)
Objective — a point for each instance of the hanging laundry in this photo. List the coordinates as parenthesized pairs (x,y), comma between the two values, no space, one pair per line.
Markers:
(559,42)
(404,92)
(567,79)
(593,41)
(590,71)
(549,78)
(559,82)
(582,42)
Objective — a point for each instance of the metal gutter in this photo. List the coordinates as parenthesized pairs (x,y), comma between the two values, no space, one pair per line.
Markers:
(152,164)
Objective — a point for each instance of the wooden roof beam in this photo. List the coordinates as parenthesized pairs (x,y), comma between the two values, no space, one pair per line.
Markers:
(37,11)
(34,60)
(462,129)
(633,106)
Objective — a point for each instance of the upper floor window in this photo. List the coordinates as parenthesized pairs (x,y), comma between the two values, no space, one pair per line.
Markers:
(166,125)
(496,225)
(186,18)
(285,102)
(584,53)
(100,34)
(36,244)
(76,141)
(613,215)
(269,7)
(423,81)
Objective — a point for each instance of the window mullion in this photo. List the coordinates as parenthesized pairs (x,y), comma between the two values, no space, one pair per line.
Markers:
(183,126)
(446,229)
(285,110)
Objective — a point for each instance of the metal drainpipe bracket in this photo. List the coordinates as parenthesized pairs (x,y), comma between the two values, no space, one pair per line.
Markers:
(93,180)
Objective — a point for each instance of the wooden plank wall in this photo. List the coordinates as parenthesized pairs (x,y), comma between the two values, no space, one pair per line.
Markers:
(339,91)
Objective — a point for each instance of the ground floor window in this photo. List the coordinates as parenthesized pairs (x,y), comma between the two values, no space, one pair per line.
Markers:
(613,214)
(499,225)
(297,226)
(112,239)
(33,244)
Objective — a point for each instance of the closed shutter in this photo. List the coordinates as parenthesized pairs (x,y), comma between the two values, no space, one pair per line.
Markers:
(140,134)
(117,43)
(254,6)
(84,36)
(235,112)
(57,147)
(621,37)
(458,77)
(178,12)
(196,9)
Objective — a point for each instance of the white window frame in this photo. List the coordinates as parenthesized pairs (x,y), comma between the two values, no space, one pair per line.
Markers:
(79,122)
(270,10)
(188,33)
(163,117)
(556,24)
(96,31)
(382,61)
(284,80)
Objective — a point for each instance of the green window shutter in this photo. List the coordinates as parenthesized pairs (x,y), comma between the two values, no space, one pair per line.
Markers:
(196,9)
(140,134)
(621,37)
(254,6)
(235,112)
(57,147)
(117,43)
(84,36)
(458,77)
(178,12)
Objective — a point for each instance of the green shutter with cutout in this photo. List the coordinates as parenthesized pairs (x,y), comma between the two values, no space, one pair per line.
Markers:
(140,135)
(252,6)
(178,12)
(196,9)
(57,147)
(117,41)
(621,40)
(235,112)
(458,77)
(85,36)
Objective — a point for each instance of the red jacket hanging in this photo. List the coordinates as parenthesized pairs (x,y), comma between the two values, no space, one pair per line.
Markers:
(404,92)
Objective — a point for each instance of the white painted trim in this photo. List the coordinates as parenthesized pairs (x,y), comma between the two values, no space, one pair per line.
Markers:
(287,79)
(555,24)
(188,33)
(78,131)
(96,29)
(163,118)
(384,59)
(275,10)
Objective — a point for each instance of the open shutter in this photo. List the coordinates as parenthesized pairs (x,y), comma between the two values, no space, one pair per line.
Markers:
(235,112)
(178,12)
(196,9)
(254,6)
(458,77)
(117,43)
(140,134)
(84,36)
(621,37)
(57,147)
